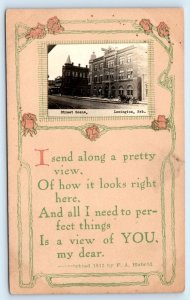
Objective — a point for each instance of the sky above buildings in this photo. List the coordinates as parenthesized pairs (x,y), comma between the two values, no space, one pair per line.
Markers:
(79,54)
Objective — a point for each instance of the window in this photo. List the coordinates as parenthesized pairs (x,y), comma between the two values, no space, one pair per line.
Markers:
(121,74)
(80,74)
(107,76)
(111,75)
(110,64)
(121,60)
(121,91)
(76,74)
(129,90)
(73,73)
(95,67)
(130,73)
(129,58)
(100,78)
(95,79)
(101,66)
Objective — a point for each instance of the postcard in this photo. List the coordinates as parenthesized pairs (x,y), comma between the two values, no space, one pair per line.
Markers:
(95,110)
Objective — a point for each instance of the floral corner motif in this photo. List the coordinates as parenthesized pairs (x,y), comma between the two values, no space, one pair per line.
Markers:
(162,29)
(29,124)
(92,132)
(53,26)
(161,123)
(38,32)
(146,25)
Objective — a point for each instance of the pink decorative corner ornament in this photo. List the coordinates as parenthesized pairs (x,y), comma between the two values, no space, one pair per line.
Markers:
(54,25)
(29,124)
(37,32)
(161,123)
(146,25)
(163,30)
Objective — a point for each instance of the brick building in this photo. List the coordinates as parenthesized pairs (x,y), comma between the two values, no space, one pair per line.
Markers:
(120,72)
(74,79)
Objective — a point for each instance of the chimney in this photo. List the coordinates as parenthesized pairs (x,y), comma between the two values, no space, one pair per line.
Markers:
(72,63)
(79,65)
(86,66)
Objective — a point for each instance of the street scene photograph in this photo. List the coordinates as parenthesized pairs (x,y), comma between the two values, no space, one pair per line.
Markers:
(98,79)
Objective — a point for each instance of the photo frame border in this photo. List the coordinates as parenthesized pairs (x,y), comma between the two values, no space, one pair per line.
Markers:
(43,88)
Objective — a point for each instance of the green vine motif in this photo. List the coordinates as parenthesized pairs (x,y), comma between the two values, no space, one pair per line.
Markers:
(162,30)
(99,129)
(166,81)
(93,132)
(161,34)
(53,26)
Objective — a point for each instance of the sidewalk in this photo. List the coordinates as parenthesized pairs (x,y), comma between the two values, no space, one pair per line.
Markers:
(103,100)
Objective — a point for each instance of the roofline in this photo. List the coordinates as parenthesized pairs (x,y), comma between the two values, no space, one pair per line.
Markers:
(113,52)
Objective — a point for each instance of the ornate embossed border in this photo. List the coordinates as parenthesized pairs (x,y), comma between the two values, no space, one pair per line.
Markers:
(167,82)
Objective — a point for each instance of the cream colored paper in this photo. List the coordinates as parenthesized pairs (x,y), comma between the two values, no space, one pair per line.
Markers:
(96,200)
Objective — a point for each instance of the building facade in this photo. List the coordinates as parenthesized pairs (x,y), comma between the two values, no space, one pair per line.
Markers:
(75,79)
(120,72)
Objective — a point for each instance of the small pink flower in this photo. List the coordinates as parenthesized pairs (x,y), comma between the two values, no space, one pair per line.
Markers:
(163,30)
(161,118)
(29,124)
(146,25)
(37,32)
(92,133)
(162,122)
(54,25)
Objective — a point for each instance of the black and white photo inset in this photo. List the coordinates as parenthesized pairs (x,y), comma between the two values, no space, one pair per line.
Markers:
(99,79)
